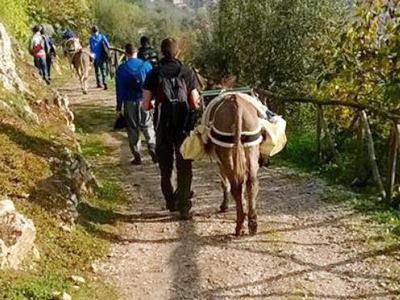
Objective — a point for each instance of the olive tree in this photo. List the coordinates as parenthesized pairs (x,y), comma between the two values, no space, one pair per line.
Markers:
(266,43)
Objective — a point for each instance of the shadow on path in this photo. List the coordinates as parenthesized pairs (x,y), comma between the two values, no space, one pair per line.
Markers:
(186,275)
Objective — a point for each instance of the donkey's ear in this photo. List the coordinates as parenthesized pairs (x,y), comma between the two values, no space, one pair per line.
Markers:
(228,82)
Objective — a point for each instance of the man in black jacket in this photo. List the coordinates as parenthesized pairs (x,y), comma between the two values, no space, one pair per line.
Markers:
(146,52)
(171,89)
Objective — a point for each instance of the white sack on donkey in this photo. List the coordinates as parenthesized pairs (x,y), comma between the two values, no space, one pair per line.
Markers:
(272,126)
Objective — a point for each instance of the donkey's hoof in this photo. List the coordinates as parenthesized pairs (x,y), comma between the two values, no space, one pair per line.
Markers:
(253,227)
(239,231)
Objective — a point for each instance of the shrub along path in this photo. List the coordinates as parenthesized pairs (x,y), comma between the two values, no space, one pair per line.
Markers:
(308,246)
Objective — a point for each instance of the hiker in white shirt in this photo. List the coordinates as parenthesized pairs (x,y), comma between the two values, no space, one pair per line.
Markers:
(38,51)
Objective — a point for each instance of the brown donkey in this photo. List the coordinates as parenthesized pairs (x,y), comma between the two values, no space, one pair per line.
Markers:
(82,64)
(235,137)
(81,59)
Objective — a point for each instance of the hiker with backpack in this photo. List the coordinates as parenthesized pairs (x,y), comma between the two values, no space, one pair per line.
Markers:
(100,47)
(146,52)
(50,51)
(37,49)
(174,89)
(130,78)
(68,34)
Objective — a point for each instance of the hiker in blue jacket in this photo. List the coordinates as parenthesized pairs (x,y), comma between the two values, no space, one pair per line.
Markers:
(130,78)
(99,46)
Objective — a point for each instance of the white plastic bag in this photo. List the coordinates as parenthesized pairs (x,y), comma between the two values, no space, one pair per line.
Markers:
(276,137)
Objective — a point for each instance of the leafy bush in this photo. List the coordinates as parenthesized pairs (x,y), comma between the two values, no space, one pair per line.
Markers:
(20,15)
(361,64)
(73,14)
(264,43)
(14,14)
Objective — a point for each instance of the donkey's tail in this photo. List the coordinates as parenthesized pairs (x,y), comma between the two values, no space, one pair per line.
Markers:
(239,158)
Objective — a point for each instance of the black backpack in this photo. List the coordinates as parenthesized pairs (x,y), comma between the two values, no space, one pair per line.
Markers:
(174,112)
(149,54)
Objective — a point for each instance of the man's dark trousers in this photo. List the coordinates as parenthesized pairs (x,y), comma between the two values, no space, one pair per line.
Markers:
(41,65)
(168,146)
(100,70)
(49,64)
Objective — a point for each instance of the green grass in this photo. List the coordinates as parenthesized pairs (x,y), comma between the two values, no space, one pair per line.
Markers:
(300,152)
(91,119)
(92,146)
(100,208)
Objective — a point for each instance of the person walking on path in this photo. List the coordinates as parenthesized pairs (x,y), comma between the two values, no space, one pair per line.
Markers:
(38,50)
(174,89)
(68,34)
(146,52)
(130,78)
(50,51)
(99,46)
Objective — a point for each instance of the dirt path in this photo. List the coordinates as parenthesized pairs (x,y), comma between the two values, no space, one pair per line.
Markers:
(306,247)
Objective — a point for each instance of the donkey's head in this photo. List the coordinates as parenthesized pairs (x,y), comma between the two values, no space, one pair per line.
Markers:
(226,82)
(209,83)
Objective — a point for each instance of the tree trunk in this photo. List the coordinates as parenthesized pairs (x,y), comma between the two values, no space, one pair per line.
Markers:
(360,149)
(372,155)
(330,140)
(320,116)
(393,152)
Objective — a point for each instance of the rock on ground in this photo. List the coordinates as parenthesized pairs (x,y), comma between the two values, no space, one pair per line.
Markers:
(17,236)
(8,74)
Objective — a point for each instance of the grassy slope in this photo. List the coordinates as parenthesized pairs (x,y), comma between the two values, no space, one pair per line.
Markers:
(37,185)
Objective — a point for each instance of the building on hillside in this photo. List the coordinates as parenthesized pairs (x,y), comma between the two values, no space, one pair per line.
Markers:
(179,3)
(192,3)
(196,3)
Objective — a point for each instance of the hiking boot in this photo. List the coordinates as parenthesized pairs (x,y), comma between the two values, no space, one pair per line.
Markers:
(99,86)
(185,215)
(171,206)
(136,161)
(184,210)
(105,87)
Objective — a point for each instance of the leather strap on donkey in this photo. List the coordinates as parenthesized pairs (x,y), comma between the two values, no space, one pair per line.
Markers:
(226,139)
